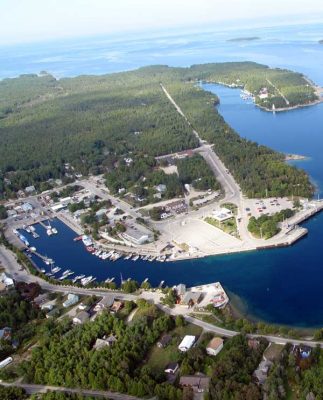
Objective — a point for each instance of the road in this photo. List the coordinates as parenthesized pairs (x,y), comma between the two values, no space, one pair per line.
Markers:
(8,260)
(31,389)
(231,188)
(280,93)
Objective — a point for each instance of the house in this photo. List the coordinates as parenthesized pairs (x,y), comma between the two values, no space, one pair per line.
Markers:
(186,343)
(48,306)
(191,298)
(117,306)
(101,214)
(199,383)
(171,368)
(81,317)
(30,189)
(164,341)
(101,343)
(253,344)
(105,302)
(7,282)
(261,373)
(161,188)
(53,313)
(5,333)
(71,300)
(215,346)
(41,299)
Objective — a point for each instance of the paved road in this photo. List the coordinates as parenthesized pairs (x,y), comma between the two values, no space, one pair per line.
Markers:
(9,262)
(31,389)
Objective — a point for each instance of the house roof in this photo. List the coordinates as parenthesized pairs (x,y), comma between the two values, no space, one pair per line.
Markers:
(165,340)
(107,301)
(82,316)
(215,343)
(187,342)
(199,381)
(191,296)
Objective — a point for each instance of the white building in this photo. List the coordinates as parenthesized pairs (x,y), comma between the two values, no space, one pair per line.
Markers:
(222,214)
(138,234)
(215,346)
(186,343)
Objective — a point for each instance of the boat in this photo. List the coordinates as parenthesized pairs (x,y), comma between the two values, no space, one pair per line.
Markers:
(146,280)
(43,270)
(90,249)
(54,231)
(23,239)
(55,270)
(35,235)
(87,280)
(77,239)
(49,274)
(49,231)
(32,249)
(32,228)
(87,240)
(161,284)
(136,257)
(78,277)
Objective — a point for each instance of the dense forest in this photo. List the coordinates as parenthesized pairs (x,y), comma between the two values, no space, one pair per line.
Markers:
(93,122)
(267,226)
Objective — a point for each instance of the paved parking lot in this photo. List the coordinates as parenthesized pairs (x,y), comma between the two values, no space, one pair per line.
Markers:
(257,207)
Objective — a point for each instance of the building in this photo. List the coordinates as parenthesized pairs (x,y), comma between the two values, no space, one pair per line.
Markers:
(104,303)
(26,207)
(71,300)
(199,383)
(171,368)
(138,234)
(215,346)
(116,307)
(180,289)
(161,188)
(101,214)
(186,343)
(81,317)
(164,341)
(191,298)
(261,373)
(222,214)
(105,341)
(30,189)
(6,281)
(53,313)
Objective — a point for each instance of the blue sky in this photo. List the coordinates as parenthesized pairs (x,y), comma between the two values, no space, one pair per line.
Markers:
(34,20)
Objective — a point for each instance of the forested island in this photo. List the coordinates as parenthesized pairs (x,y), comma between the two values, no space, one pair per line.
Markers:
(244,39)
(91,124)
(321,41)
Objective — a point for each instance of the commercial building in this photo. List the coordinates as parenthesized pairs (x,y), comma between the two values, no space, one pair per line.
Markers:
(137,234)
(222,214)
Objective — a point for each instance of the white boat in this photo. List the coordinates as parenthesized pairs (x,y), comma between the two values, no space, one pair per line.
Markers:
(49,231)
(87,280)
(32,248)
(128,256)
(78,277)
(136,258)
(43,270)
(32,228)
(55,270)
(54,231)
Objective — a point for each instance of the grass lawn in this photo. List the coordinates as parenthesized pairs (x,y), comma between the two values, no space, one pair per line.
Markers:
(229,226)
(158,358)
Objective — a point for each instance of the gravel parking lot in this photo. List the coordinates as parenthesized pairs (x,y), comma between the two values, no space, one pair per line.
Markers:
(257,207)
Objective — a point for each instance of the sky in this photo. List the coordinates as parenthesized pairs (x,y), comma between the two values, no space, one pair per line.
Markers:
(37,20)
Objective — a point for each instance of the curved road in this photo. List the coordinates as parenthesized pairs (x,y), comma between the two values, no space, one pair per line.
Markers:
(8,260)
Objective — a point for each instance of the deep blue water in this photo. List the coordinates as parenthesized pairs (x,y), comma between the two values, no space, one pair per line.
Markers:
(282,286)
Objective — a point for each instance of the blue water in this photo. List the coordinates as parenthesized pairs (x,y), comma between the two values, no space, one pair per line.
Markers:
(282,286)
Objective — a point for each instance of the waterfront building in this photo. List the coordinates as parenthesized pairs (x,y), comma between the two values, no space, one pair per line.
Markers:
(138,234)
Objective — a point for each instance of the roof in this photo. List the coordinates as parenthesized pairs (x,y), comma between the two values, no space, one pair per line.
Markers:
(191,296)
(199,381)
(107,301)
(171,366)
(165,340)
(5,279)
(82,316)
(5,333)
(215,343)
(187,342)
(261,372)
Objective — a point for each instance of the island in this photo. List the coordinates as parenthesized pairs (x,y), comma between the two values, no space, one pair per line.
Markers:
(321,41)
(244,39)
